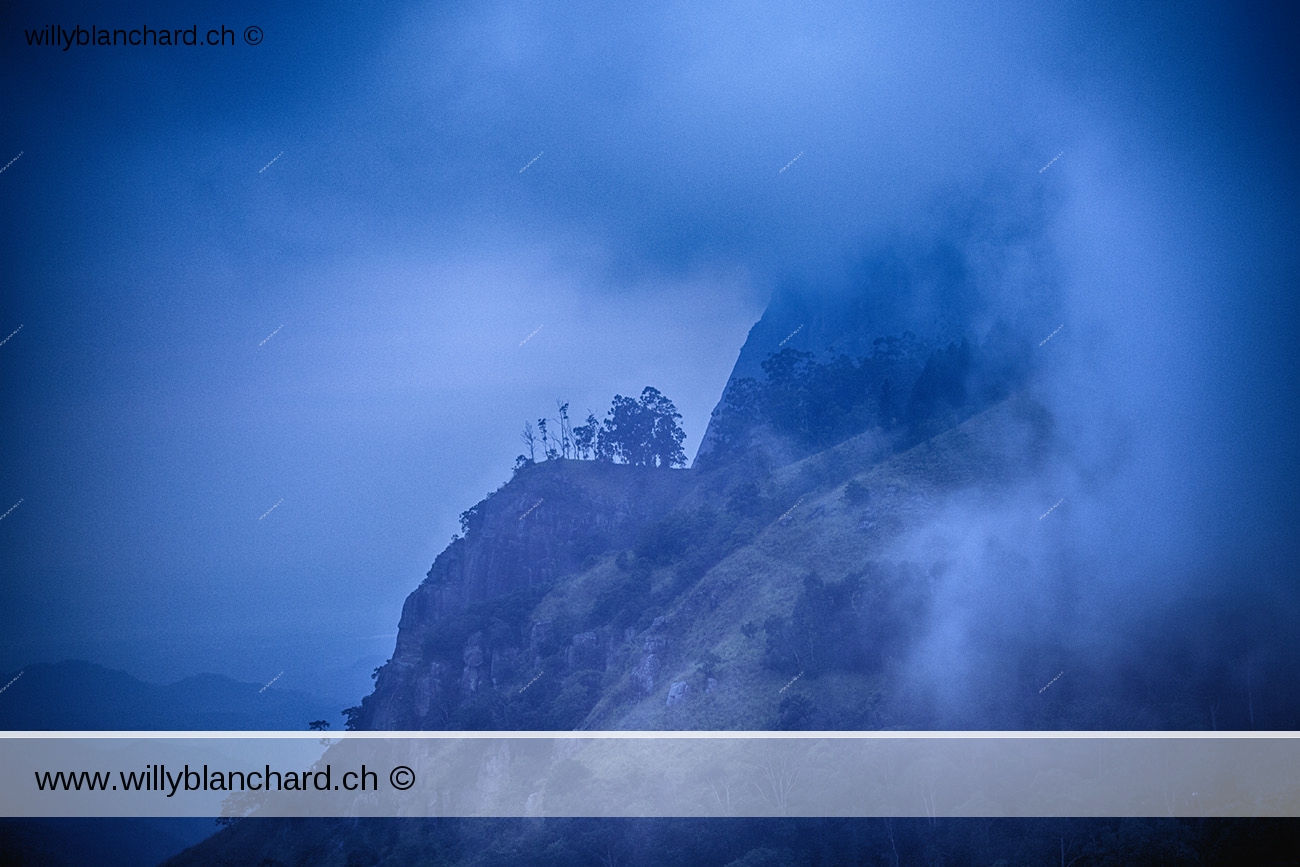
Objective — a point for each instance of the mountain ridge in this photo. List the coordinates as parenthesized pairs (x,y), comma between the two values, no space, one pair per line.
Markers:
(598,617)
(75,695)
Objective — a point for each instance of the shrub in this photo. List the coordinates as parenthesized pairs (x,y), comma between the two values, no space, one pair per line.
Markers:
(856,493)
(795,713)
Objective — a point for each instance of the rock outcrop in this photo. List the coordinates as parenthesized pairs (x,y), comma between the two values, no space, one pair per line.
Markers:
(549,521)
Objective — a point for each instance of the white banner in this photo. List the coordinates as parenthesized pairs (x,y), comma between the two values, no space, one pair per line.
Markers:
(650,774)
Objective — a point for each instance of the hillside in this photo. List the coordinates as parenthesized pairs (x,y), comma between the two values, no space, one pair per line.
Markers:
(862,545)
(650,598)
(722,599)
(472,628)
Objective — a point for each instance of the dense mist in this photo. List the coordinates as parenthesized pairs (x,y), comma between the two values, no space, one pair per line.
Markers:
(978,320)
(332,274)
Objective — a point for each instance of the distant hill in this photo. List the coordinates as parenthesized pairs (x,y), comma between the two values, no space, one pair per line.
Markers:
(82,696)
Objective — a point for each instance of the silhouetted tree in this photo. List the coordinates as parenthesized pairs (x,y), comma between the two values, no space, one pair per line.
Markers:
(566,429)
(584,436)
(318,725)
(548,442)
(530,440)
(643,432)
(604,444)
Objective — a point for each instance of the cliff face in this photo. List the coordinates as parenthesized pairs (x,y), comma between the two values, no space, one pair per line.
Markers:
(594,594)
(856,325)
(552,520)
(583,590)
(769,589)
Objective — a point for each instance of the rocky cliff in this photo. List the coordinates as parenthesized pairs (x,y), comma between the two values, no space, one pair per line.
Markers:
(597,594)
(581,589)
(469,624)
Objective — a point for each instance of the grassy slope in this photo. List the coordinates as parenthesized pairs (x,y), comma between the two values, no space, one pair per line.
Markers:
(820,532)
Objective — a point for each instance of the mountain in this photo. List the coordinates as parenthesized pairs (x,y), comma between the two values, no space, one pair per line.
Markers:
(683,578)
(593,594)
(861,543)
(81,696)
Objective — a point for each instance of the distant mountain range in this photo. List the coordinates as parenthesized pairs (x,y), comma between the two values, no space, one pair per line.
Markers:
(81,696)
(75,695)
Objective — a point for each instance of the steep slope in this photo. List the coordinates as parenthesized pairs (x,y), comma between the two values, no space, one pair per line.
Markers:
(784,587)
(592,594)
(743,622)
(467,629)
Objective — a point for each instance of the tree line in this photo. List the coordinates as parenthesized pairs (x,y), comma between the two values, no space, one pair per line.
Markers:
(642,432)
(816,402)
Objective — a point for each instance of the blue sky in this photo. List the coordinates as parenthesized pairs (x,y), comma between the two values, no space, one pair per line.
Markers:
(298,274)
